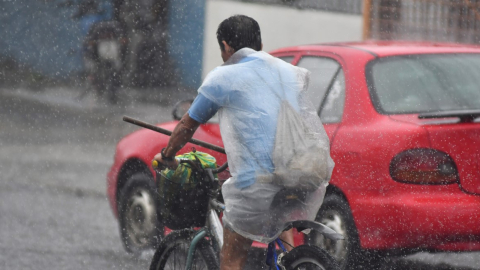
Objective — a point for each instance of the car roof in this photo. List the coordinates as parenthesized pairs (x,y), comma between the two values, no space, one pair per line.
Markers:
(390,48)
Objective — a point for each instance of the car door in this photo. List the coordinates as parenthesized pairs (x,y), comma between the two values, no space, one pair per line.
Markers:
(326,89)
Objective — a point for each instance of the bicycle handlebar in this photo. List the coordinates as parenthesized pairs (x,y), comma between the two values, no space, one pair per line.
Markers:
(221,168)
(156,165)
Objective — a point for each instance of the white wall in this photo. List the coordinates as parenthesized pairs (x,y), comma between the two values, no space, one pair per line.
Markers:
(280,27)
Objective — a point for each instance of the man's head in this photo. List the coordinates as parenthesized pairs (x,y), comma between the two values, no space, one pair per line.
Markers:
(237,32)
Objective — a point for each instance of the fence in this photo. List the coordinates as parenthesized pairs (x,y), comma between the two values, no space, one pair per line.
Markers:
(433,20)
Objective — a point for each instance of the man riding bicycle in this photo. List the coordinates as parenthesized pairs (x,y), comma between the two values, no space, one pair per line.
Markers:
(247,91)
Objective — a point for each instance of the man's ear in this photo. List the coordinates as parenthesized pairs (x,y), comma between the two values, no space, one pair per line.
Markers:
(227,47)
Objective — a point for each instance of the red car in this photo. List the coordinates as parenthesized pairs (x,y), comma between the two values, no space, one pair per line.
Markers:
(402,118)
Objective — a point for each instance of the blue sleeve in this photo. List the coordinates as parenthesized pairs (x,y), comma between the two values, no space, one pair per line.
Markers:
(202,109)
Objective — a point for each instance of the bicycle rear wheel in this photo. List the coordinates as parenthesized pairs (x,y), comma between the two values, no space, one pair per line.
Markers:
(307,257)
(173,250)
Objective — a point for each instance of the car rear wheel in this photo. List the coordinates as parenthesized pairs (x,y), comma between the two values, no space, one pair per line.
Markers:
(140,228)
(336,214)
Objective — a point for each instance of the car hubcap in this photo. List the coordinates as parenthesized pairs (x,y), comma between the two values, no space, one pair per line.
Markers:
(338,249)
(141,216)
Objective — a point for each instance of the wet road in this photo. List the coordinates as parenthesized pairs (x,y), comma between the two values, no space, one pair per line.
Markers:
(55,153)
(54,157)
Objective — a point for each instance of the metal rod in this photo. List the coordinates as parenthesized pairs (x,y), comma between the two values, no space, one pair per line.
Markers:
(367,19)
(169,133)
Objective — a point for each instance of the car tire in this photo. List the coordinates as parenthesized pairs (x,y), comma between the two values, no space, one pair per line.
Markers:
(140,228)
(335,213)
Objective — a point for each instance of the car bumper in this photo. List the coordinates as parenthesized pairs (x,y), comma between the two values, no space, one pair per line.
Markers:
(112,177)
(437,218)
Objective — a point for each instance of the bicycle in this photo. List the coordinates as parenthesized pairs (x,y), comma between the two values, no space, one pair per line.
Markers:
(199,249)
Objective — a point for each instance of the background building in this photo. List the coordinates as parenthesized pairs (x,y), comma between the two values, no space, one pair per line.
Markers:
(43,39)
(439,20)
(285,23)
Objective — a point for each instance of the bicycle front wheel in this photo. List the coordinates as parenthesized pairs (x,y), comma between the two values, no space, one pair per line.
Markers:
(173,251)
(309,258)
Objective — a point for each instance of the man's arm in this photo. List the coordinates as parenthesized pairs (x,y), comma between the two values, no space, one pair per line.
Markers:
(182,133)
(201,110)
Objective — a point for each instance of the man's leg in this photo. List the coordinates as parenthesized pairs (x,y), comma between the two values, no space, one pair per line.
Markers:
(234,251)
(287,236)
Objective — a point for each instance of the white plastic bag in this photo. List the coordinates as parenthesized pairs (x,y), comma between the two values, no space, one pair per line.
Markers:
(299,156)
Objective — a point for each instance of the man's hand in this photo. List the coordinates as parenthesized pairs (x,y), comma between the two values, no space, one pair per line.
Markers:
(181,134)
(171,164)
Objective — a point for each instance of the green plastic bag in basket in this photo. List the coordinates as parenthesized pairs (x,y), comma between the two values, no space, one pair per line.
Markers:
(184,192)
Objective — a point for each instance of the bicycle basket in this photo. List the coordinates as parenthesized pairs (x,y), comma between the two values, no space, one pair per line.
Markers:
(184,193)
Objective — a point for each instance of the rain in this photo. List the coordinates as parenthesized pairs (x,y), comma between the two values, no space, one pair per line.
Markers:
(77,187)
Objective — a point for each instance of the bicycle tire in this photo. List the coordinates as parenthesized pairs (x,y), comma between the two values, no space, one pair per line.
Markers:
(309,257)
(172,252)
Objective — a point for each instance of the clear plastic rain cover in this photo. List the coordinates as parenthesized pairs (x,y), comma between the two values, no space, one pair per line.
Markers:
(277,149)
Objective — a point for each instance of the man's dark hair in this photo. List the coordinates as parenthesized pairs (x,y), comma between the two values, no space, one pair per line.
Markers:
(239,31)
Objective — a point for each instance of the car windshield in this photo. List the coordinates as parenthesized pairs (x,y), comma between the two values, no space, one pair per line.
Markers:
(425,83)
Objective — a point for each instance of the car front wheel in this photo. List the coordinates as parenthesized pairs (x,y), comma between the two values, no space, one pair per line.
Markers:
(140,228)
(335,213)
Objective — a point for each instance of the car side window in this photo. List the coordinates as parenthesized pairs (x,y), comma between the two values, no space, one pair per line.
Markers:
(327,87)
(287,59)
(331,110)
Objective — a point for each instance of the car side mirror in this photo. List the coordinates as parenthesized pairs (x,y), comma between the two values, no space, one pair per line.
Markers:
(181,108)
